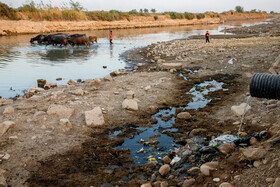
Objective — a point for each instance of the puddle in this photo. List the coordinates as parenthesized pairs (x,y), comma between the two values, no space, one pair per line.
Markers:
(152,142)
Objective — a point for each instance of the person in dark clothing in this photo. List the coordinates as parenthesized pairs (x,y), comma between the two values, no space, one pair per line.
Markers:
(207,37)
(111,37)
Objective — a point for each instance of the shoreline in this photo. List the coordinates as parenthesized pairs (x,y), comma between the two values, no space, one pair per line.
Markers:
(32,27)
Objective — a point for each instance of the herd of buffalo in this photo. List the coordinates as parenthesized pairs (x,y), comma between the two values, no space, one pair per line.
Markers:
(65,39)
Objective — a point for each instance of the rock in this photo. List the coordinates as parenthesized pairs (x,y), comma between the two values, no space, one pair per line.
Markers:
(130,95)
(147,88)
(108,78)
(146,185)
(184,115)
(59,79)
(78,92)
(65,125)
(5,126)
(9,110)
(208,167)
(274,130)
(60,111)
(160,184)
(194,171)
(254,153)
(188,183)
(253,141)
(196,132)
(36,98)
(36,90)
(41,83)
(216,179)
(50,85)
(94,117)
(172,66)
(3,182)
(270,180)
(163,170)
(160,61)
(166,160)
(39,113)
(239,110)
(130,104)
(225,184)
(71,82)
(277,182)
(257,164)
(13,138)
(227,148)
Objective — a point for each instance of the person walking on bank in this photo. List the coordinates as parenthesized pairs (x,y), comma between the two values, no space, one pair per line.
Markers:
(207,37)
(111,37)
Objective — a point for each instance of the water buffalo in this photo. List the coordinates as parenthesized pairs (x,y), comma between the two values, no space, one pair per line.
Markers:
(39,38)
(55,39)
(81,39)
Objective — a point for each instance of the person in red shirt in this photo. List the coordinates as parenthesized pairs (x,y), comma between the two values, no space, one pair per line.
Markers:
(207,37)
(111,37)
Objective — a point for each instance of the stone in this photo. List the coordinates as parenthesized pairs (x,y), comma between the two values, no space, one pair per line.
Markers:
(78,92)
(277,182)
(60,111)
(188,182)
(198,131)
(13,138)
(253,141)
(65,125)
(5,126)
(163,170)
(225,184)
(153,109)
(3,182)
(71,82)
(160,184)
(160,61)
(50,85)
(169,66)
(166,160)
(130,95)
(239,110)
(257,164)
(254,153)
(108,78)
(147,88)
(227,148)
(208,167)
(216,179)
(36,98)
(270,180)
(184,115)
(94,117)
(59,78)
(146,185)
(41,83)
(130,104)
(36,90)
(194,171)
(9,110)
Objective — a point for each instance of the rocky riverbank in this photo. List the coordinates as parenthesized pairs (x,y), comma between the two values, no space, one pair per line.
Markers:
(61,135)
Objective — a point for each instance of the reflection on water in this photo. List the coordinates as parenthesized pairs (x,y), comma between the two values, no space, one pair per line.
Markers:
(21,63)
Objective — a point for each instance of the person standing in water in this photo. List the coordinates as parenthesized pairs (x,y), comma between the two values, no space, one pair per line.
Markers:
(111,37)
(207,37)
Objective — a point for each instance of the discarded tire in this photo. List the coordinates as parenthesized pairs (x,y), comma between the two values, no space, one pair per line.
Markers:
(264,85)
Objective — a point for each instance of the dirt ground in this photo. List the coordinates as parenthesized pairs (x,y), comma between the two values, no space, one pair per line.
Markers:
(38,151)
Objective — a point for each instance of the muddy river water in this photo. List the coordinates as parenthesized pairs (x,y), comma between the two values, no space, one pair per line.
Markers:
(22,63)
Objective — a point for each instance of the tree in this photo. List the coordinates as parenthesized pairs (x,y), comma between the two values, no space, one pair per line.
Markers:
(153,10)
(271,12)
(141,10)
(76,5)
(146,10)
(239,9)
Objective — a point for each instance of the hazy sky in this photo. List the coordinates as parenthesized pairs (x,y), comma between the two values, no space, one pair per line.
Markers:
(165,5)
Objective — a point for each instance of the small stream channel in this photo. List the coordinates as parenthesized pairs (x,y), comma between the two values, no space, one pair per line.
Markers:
(152,142)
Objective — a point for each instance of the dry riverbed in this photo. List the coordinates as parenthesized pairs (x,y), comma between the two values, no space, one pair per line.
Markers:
(60,136)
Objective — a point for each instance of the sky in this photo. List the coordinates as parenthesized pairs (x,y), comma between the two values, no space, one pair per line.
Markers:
(164,5)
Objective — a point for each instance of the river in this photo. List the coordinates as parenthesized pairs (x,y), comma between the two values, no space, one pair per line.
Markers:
(22,63)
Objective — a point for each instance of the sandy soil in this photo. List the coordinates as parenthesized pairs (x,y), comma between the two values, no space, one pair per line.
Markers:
(42,154)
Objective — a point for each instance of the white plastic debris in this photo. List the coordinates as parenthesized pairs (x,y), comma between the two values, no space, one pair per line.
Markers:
(228,138)
(175,160)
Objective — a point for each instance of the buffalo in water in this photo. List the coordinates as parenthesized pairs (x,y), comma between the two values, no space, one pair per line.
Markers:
(39,38)
(81,39)
(55,39)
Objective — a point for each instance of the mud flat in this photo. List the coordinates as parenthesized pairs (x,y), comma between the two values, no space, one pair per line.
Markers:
(68,135)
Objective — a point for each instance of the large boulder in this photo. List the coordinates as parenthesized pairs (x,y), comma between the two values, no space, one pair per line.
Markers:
(71,82)
(238,110)
(5,126)
(94,117)
(60,111)
(36,90)
(49,85)
(130,104)
(184,115)
(163,170)
(208,167)
(254,153)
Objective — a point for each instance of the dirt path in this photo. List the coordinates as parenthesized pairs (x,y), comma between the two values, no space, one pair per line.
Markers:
(50,141)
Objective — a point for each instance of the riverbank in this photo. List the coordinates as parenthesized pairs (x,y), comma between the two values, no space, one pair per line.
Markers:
(62,136)
(31,27)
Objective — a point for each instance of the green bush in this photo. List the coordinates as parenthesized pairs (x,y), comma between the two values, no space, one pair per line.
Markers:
(156,17)
(7,12)
(175,15)
(28,7)
(239,9)
(200,16)
(218,15)
(134,11)
(188,15)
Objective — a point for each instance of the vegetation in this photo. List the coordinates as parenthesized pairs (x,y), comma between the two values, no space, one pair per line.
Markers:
(7,12)
(175,15)
(153,10)
(156,17)
(200,16)
(239,9)
(189,16)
